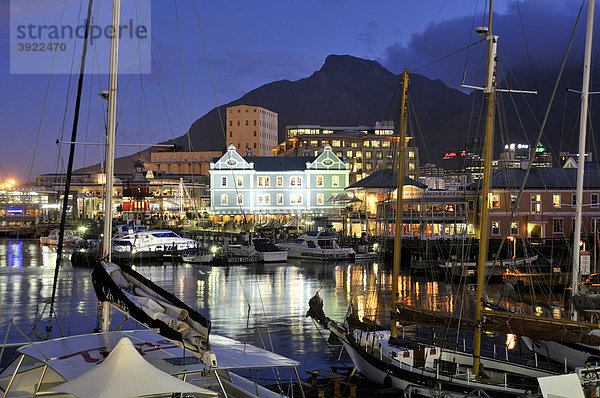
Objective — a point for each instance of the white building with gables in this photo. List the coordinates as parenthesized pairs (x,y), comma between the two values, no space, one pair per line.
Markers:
(259,185)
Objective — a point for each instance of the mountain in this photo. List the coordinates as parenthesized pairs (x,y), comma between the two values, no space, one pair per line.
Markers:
(350,91)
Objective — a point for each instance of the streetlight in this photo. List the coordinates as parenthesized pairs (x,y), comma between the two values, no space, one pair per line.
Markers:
(514,242)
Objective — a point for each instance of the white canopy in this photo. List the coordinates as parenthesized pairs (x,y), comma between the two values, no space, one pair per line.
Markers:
(126,374)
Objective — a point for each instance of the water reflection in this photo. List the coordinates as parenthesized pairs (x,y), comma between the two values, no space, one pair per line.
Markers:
(261,304)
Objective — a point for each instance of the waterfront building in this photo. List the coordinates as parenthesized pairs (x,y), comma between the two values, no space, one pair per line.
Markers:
(23,205)
(252,128)
(427,213)
(176,162)
(158,197)
(547,207)
(261,186)
(366,148)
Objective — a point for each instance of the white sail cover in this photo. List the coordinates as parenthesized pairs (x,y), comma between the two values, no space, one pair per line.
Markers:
(125,374)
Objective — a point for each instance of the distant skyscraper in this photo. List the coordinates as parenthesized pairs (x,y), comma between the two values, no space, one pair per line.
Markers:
(252,130)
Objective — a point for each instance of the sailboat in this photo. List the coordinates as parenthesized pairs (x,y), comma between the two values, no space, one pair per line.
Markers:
(577,354)
(177,340)
(383,357)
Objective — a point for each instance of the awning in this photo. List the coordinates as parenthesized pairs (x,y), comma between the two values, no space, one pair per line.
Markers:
(124,374)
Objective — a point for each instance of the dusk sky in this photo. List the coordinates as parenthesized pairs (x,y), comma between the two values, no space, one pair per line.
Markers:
(251,43)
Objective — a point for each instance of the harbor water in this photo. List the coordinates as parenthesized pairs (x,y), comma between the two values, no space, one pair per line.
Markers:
(262,304)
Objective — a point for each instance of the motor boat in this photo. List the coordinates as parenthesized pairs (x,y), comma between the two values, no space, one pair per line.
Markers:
(149,244)
(197,256)
(71,238)
(318,245)
(261,248)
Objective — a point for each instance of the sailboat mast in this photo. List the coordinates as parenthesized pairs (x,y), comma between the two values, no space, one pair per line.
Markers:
(399,192)
(490,92)
(111,129)
(581,155)
(110,148)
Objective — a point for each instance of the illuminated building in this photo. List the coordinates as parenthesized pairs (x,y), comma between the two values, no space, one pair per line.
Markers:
(22,205)
(196,162)
(547,206)
(366,148)
(252,128)
(277,185)
(428,213)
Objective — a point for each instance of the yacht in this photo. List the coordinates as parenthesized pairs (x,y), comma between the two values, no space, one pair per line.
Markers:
(317,245)
(261,248)
(71,238)
(147,244)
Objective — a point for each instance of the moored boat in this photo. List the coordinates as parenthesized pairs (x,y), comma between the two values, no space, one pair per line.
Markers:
(317,245)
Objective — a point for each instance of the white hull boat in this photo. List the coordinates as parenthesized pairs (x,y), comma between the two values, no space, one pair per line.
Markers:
(260,248)
(316,245)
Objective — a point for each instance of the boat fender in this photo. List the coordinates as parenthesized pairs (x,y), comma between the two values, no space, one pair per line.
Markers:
(387,381)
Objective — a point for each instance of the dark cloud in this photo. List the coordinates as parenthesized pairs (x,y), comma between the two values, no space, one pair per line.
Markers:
(533,38)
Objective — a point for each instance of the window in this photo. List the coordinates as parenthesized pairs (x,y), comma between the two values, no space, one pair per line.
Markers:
(335,181)
(556,200)
(320,198)
(557,226)
(239,181)
(359,154)
(379,155)
(494,201)
(386,144)
(411,154)
(255,134)
(279,181)
(223,181)
(264,181)
(255,125)
(349,154)
(368,154)
(514,228)
(354,145)
(336,143)
(470,229)
(574,200)
(375,144)
(314,143)
(411,166)
(296,198)
(231,123)
(264,199)
(255,145)
(240,199)
(495,228)
(279,198)
(367,144)
(594,200)
(536,203)
(319,181)
(224,200)
(231,133)
(246,122)
(513,201)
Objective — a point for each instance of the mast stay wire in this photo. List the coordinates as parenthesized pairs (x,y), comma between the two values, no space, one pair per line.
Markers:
(539,136)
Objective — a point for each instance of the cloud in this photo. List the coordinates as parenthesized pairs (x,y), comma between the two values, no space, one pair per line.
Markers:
(533,36)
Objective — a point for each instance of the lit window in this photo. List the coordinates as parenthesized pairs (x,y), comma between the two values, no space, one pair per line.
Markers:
(556,200)
(368,154)
(367,144)
(495,228)
(267,181)
(411,166)
(224,199)
(536,203)
(514,228)
(359,154)
(240,199)
(314,143)
(279,181)
(279,198)
(319,181)
(411,154)
(513,201)
(320,200)
(349,154)
(336,143)
(385,144)
(375,144)
(335,181)
(239,181)
(494,202)
(296,198)
(470,229)
(223,181)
